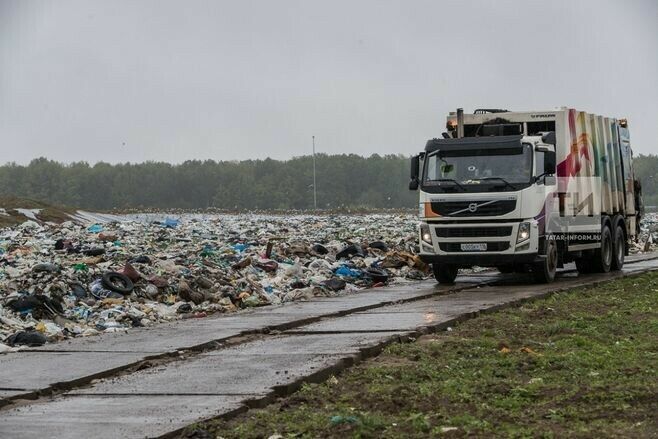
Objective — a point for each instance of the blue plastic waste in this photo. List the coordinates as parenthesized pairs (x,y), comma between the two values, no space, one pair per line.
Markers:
(95,228)
(239,247)
(171,223)
(81,313)
(348,272)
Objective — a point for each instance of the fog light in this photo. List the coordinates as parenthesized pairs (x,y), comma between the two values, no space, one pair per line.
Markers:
(523,247)
(524,232)
(425,234)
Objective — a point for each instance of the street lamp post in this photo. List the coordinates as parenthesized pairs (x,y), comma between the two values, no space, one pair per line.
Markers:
(315,195)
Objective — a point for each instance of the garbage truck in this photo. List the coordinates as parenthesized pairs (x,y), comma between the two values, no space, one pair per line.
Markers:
(526,192)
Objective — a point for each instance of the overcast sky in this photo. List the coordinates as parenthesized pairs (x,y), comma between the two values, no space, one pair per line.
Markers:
(175,80)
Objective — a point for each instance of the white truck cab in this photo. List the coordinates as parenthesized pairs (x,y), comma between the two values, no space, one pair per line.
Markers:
(485,187)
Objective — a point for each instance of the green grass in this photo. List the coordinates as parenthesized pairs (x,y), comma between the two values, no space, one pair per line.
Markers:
(579,364)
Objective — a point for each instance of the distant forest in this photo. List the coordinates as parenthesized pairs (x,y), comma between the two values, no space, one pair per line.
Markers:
(343,181)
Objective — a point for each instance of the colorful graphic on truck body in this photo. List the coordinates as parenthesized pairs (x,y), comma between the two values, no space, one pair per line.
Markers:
(595,146)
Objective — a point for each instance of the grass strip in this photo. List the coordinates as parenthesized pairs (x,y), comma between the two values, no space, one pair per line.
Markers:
(580,363)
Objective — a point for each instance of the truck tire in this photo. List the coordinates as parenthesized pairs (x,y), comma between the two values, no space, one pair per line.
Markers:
(506,269)
(618,246)
(544,272)
(444,273)
(602,260)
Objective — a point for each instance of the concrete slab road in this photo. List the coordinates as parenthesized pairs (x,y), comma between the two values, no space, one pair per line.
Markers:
(78,361)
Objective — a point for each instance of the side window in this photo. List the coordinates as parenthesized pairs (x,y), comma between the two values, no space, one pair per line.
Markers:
(431,169)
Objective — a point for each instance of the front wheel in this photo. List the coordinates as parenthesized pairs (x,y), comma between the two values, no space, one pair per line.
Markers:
(505,269)
(544,272)
(444,273)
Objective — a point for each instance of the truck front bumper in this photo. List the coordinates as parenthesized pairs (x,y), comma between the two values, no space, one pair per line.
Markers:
(502,245)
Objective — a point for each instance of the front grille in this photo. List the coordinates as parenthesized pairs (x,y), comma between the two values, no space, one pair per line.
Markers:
(455,247)
(473,207)
(473,232)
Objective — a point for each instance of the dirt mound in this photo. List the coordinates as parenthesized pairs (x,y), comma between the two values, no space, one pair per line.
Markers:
(14,210)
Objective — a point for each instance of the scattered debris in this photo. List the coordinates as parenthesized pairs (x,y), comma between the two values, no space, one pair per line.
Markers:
(114,272)
(110,274)
(648,236)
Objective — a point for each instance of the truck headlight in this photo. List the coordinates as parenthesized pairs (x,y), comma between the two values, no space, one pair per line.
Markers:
(524,232)
(425,234)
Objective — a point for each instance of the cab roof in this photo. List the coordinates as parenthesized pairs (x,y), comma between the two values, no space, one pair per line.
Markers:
(474,143)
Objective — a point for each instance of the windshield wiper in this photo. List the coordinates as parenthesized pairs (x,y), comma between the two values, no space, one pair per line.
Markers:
(499,178)
(452,180)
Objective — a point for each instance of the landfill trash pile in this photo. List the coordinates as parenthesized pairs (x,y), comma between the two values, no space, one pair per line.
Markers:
(65,280)
(648,238)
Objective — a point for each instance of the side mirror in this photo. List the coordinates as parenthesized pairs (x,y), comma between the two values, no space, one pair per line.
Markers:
(549,162)
(549,138)
(413,183)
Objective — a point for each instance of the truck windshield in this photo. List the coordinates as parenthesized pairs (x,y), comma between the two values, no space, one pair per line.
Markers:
(477,170)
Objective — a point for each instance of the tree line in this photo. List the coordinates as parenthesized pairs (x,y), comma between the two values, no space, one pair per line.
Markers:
(343,181)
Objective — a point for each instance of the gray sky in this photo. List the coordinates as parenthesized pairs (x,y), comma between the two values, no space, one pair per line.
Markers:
(251,79)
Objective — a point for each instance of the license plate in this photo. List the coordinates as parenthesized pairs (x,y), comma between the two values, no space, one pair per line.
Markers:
(470,247)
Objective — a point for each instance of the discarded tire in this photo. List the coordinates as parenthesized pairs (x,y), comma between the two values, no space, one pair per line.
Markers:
(334,284)
(78,290)
(46,268)
(349,251)
(117,282)
(320,249)
(94,252)
(184,308)
(27,338)
(379,245)
(142,259)
(377,275)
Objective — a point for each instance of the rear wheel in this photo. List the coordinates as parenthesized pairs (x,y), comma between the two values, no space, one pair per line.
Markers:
(544,272)
(444,273)
(618,247)
(602,260)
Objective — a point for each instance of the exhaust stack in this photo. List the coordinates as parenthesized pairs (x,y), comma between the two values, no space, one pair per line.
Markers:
(460,123)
